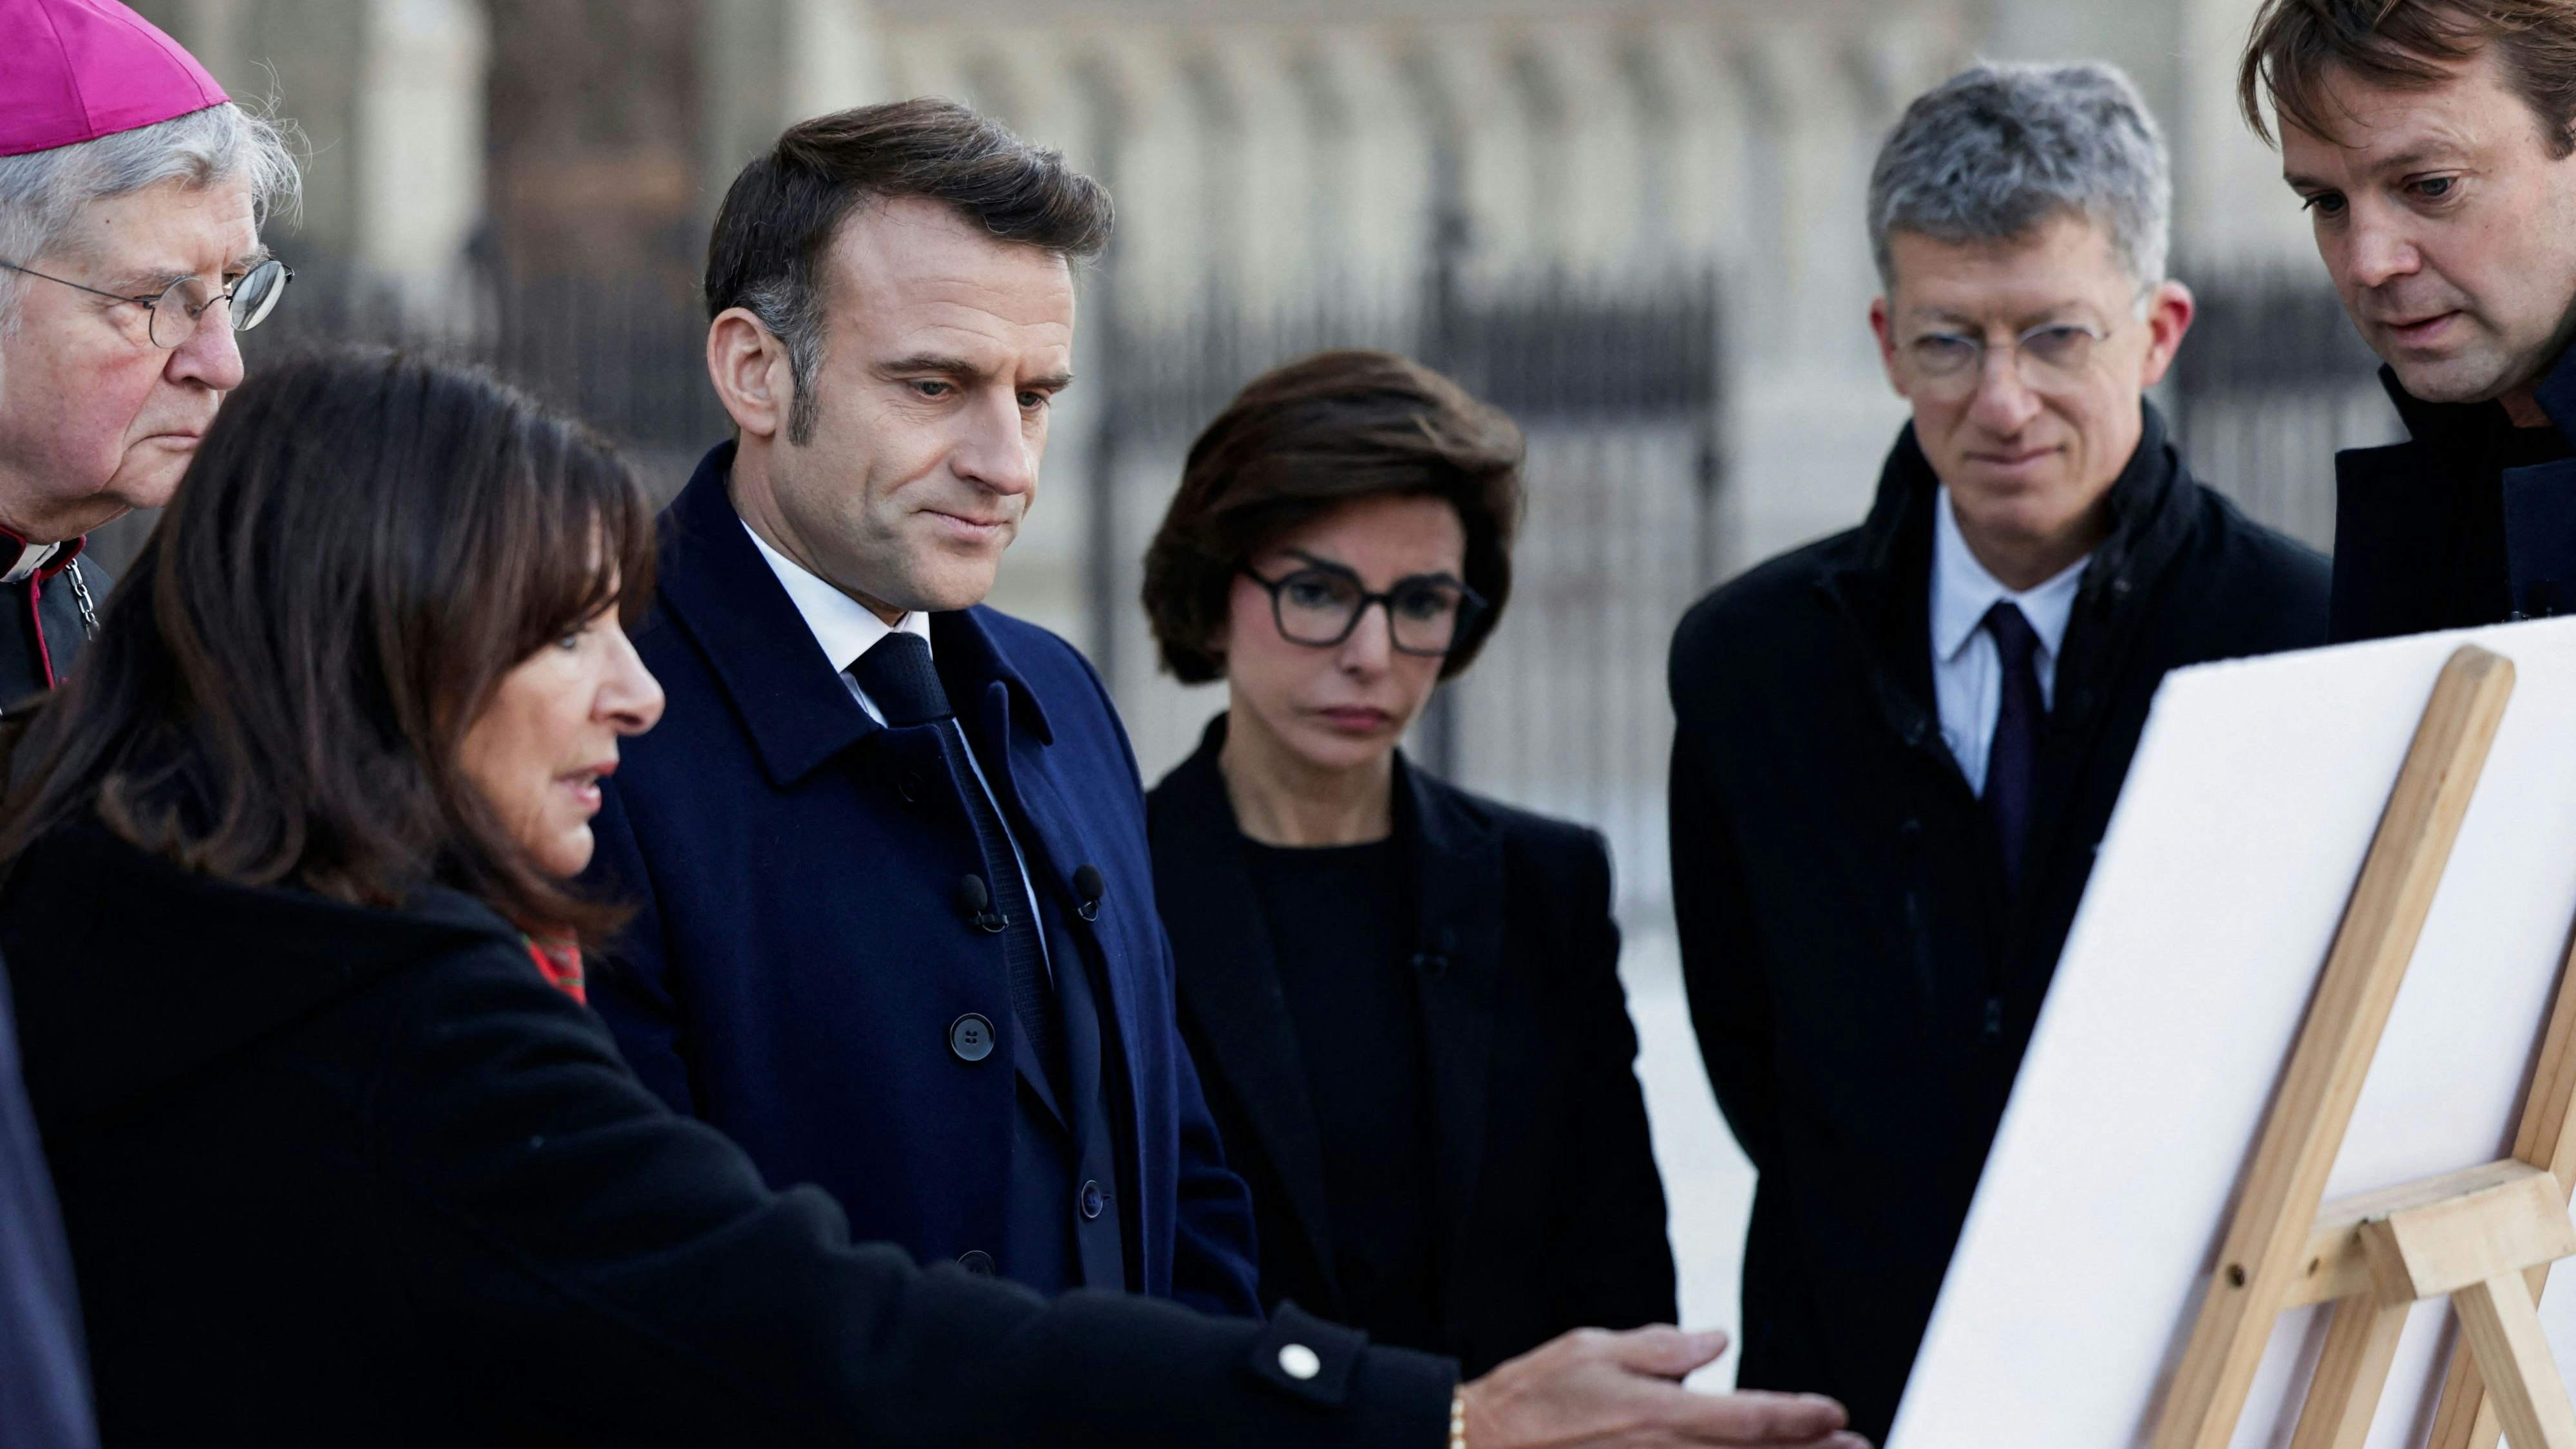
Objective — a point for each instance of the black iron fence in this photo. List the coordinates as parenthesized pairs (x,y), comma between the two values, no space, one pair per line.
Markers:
(627,354)
(2271,382)
(1619,390)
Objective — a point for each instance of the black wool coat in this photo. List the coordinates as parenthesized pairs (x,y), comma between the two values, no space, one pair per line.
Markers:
(1549,1212)
(336,1176)
(1862,979)
(2437,532)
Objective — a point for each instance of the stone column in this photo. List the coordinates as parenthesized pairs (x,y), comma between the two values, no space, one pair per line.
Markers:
(418,127)
(771,63)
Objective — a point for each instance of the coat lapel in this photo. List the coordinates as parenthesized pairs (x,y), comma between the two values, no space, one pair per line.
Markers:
(1456,862)
(718,588)
(1229,985)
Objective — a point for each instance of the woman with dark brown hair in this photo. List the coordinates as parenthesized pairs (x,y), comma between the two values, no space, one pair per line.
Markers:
(1404,998)
(341,1164)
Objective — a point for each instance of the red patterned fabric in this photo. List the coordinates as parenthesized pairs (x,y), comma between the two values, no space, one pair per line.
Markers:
(561,966)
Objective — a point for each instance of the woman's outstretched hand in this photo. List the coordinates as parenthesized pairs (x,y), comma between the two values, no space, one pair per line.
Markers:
(1624,1391)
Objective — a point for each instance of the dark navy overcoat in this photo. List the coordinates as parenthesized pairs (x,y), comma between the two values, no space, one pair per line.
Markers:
(800,956)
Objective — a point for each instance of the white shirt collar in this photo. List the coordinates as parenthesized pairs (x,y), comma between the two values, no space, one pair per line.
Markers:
(1962,591)
(844,627)
(35,556)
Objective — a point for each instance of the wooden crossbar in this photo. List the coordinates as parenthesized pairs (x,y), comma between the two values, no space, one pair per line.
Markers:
(2544,1137)
(2265,1252)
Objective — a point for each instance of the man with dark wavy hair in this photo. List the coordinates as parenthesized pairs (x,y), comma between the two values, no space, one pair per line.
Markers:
(2433,144)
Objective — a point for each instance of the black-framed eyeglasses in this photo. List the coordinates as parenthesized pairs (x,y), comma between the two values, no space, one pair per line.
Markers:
(179,309)
(1321,604)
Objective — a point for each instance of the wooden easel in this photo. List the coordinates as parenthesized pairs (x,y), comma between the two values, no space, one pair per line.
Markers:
(2484,1236)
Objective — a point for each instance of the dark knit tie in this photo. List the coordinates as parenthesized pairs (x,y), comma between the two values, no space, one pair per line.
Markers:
(2012,761)
(901,682)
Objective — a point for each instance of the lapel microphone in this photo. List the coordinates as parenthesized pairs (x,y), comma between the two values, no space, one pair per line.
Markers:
(978,901)
(1088,888)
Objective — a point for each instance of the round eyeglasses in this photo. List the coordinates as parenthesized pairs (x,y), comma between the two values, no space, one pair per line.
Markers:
(179,309)
(1320,605)
(2051,359)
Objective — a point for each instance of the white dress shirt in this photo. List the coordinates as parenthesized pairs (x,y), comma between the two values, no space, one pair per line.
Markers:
(1967,669)
(844,627)
(848,629)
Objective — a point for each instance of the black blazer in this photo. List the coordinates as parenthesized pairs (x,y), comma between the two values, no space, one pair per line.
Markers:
(1551,1213)
(335,1176)
(1862,977)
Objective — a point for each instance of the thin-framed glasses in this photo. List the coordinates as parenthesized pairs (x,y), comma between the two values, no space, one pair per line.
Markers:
(1321,604)
(2051,358)
(179,309)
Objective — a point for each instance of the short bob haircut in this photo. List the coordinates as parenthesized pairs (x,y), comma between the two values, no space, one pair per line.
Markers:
(365,544)
(1306,438)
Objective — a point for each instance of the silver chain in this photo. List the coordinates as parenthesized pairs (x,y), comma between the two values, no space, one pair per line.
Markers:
(80,596)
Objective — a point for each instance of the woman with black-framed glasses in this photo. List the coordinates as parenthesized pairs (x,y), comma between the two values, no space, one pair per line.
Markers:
(1403,999)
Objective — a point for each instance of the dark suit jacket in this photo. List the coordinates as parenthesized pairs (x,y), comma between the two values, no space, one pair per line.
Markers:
(801,955)
(337,1177)
(1862,977)
(2412,551)
(1550,1210)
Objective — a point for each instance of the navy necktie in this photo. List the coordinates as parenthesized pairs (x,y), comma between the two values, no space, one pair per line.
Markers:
(904,685)
(2012,761)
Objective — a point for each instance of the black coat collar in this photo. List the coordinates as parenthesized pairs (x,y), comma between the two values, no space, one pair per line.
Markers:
(2147,522)
(1229,977)
(2469,521)
(793,703)
(81,896)
(2476,424)
(1885,591)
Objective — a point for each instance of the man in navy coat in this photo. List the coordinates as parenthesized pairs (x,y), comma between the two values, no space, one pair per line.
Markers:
(897,933)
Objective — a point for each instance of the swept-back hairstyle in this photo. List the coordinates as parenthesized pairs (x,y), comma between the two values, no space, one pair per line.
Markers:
(2406,45)
(1302,440)
(766,253)
(279,691)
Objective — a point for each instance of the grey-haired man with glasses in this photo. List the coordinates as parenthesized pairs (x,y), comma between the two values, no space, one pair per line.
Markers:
(1897,747)
(131,199)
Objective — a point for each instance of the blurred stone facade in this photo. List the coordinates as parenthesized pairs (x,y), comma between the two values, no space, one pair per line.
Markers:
(1639,222)
(1260,153)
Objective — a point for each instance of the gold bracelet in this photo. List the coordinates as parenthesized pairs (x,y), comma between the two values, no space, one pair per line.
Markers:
(1458,1419)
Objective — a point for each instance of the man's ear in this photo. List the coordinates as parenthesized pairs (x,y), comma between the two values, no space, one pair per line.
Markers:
(2170,308)
(1883,327)
(748,365)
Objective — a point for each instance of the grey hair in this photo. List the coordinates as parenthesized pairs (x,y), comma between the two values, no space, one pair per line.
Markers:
(42,193)
(1996,151)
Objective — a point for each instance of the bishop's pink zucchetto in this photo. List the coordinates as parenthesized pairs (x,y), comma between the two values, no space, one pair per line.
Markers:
(76,70)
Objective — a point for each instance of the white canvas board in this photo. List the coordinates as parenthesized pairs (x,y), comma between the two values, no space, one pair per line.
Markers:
(2242,827)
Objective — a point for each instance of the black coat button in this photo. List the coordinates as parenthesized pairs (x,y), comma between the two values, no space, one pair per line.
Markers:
(977,1262)
(1090,1199)
(909,787)
(971,1037)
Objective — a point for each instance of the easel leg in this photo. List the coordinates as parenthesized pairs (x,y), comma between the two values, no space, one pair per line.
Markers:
(2361,1340)
(2501,1326)
(2467,1419)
